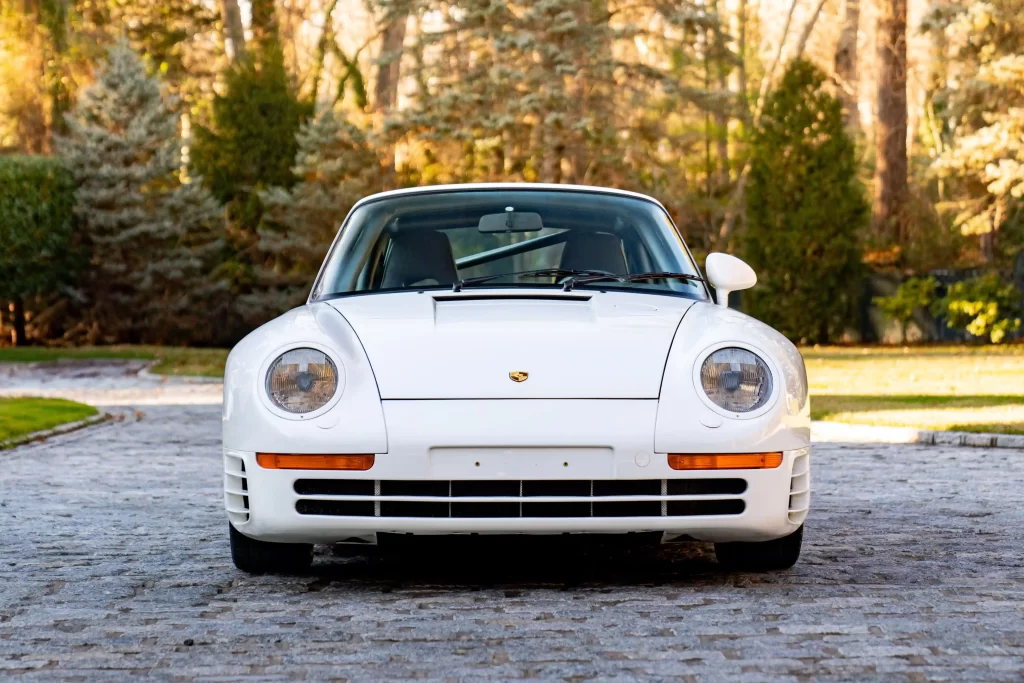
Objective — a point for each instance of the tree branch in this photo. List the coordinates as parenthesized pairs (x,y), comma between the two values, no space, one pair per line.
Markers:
(808,28)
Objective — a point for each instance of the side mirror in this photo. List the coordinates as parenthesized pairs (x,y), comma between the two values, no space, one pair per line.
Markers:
(728,274)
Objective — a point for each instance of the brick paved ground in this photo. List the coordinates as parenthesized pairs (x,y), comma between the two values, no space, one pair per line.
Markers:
(114,564)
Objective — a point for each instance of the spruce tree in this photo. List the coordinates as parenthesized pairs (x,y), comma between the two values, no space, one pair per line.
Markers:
(149,230)
(250,142)
(247,145)
(553,91)
(805,210)
(338,166)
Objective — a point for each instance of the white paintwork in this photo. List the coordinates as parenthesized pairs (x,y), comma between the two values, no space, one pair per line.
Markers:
(727,274)
(784,424)
(613,388)
(465,346)
(429,189)
(250,425)
(273,517)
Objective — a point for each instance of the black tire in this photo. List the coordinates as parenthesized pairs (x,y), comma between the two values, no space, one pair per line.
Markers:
(764,556)
(263,557)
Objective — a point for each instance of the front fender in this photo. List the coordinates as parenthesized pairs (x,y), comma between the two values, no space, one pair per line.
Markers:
(686,422)
(355,424)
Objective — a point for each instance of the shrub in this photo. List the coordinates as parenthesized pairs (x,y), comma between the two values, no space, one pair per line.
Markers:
(251,143)
(984,306)
(36,202)
(914,294)
(151,234)
(805,209)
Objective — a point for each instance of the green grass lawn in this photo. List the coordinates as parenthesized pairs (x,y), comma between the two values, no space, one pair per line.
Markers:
(965,388)
(962,388)
(173,360)
(20,416)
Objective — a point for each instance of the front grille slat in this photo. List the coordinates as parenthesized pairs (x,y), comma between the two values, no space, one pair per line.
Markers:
(693,508)
(334,487)
(540,487)
(335,508)
(520,498)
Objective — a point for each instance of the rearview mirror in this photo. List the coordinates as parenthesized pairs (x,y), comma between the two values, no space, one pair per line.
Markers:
(728,274)
(510,221)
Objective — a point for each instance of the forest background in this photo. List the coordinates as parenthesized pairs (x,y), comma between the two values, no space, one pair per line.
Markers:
(173,171)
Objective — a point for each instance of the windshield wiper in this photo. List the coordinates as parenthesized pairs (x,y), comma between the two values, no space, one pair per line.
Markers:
(543,272)
(626,277)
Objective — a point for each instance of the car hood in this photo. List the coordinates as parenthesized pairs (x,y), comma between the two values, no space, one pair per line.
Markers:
(434,345)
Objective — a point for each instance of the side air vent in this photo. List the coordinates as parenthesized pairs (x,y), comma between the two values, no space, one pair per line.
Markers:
(800,487)
(236,488)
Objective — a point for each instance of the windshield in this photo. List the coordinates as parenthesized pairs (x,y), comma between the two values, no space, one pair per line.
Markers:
(446,239)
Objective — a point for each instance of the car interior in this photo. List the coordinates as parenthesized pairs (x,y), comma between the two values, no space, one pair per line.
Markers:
(431,243)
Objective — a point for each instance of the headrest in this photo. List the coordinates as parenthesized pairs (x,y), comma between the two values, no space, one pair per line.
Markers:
(593,251)
(419,257)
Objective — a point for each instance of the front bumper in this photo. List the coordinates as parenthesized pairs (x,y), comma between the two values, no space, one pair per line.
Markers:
(461,467)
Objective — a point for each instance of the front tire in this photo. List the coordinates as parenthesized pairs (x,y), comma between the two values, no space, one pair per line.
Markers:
(263,557)
(764,556)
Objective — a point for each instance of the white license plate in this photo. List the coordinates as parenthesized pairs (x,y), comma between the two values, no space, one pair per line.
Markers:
(522,463)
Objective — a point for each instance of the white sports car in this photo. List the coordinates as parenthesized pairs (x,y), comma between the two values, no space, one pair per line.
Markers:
(516,359)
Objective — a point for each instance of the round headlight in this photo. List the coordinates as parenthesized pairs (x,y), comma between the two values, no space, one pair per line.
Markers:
(302,380)
(736,380)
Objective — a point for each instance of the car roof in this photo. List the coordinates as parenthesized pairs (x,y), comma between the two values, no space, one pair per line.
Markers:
(464,187)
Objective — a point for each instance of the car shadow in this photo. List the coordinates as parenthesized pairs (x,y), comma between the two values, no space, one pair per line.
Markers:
(520,562)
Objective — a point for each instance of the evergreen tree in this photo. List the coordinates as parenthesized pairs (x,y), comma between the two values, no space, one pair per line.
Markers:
(555,91)
(805,208)
(37,257)
(249,146)
(338,166)
(251,142)
(982,112)
(149,231)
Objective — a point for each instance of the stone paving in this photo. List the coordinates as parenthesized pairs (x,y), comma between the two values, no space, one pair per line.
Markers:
(114,565)
(106,382)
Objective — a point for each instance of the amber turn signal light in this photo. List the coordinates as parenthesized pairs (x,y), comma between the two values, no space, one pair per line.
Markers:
(299,461)
(726,461)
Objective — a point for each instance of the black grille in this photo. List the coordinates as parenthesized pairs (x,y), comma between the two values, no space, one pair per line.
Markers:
(588,493)
(334,487)
(335,508)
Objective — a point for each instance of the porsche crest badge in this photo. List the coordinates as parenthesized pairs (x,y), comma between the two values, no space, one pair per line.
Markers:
(518,375)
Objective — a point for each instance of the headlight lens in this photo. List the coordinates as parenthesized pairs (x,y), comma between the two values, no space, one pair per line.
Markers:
(736,380)
(302,380)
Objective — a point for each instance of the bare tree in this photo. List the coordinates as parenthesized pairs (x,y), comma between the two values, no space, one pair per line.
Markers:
(891,126)
(845,64)
(234,34)
(724,66)
(389,69)
(805,35)
(734,208)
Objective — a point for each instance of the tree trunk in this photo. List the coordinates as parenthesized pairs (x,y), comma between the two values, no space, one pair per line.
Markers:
(805,35)
(18,313)
(891,127)
(55,17)
(326,40)
(723,69)
(385,95)
(846,65)
(734,209)
(234,34)
(741,50)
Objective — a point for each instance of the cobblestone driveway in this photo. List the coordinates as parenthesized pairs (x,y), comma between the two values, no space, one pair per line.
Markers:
(115,565)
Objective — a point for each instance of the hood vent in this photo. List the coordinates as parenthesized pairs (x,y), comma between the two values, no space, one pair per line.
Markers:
(511,297)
